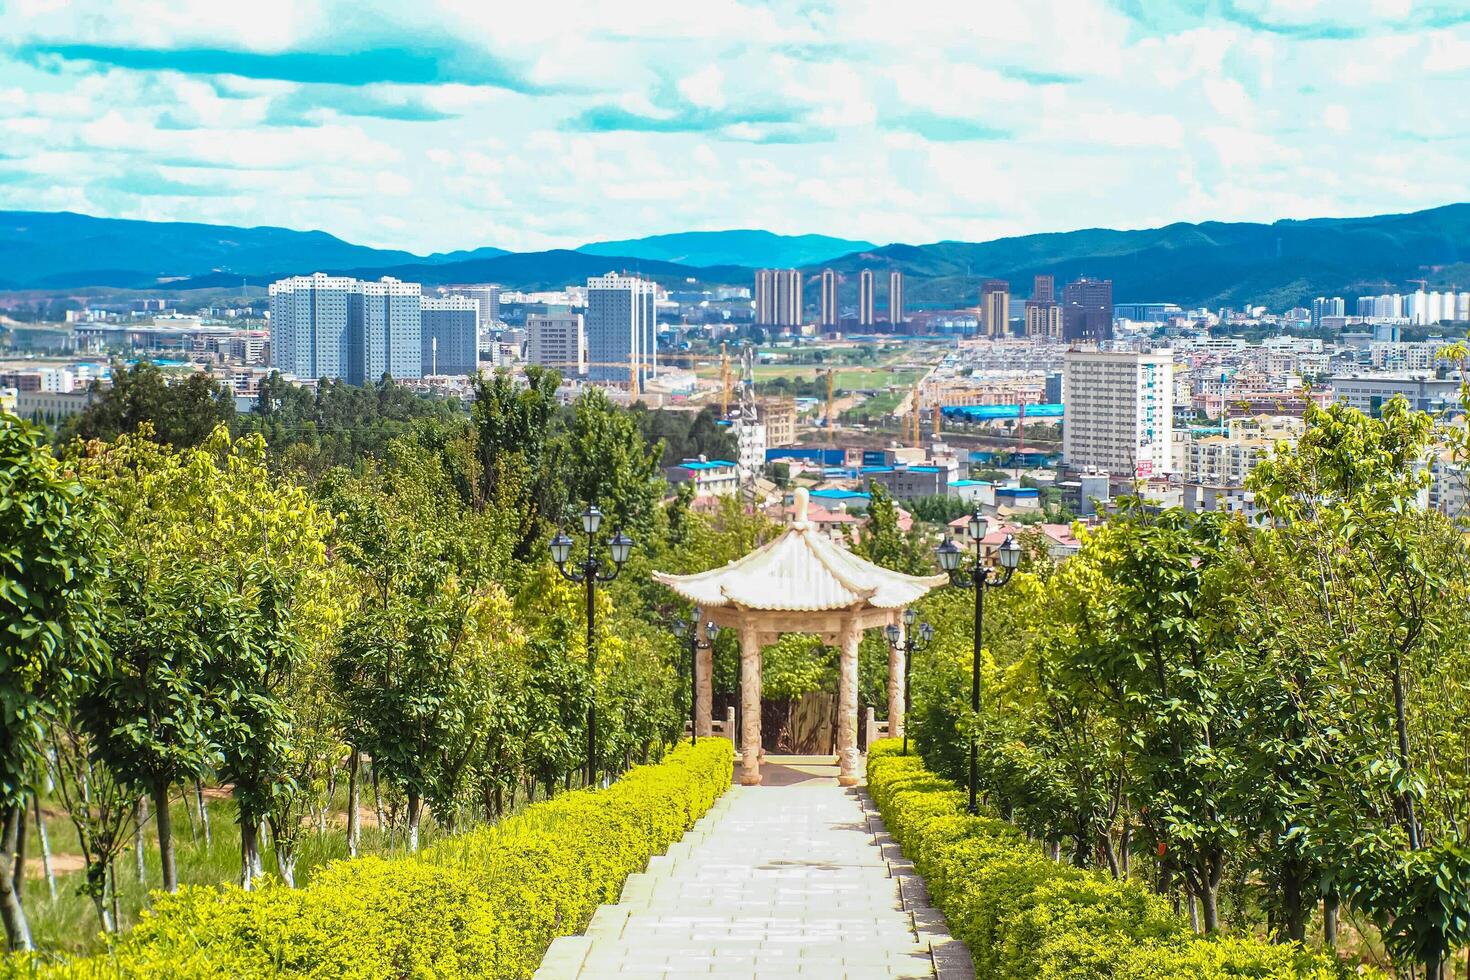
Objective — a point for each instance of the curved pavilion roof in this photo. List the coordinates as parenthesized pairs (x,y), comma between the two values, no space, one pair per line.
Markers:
(801,571)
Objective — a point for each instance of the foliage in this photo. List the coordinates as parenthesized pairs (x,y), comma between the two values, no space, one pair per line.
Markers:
(1026,916)
(483,904)
(182,411)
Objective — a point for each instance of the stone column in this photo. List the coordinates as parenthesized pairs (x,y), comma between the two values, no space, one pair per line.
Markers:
(847,720)
(750,705)
(705,661)
(895,682)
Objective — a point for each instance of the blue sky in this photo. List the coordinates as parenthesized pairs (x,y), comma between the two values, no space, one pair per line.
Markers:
(447,124)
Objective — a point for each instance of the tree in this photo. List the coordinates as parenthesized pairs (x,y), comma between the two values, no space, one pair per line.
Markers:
(884,543)
(519,448)
(50,619)
(610,465)
(100,807)
(181,414)
(178,615)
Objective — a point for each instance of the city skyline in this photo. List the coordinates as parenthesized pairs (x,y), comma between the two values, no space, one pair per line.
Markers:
(438,128)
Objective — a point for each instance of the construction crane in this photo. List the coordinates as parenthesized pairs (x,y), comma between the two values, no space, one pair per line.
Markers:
(913,428)
(724,381)
(831,404)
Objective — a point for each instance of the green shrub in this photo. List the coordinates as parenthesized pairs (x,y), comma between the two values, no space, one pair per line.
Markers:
(486,903)
(1026,917)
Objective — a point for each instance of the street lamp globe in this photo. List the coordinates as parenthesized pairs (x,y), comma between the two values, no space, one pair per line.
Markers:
(977,525)
(1010,554)
(910,616)
(621,547)
(926,632)
(711,631)
(949,556)
(891,631)
(591,520)
(561,548)
(679,626)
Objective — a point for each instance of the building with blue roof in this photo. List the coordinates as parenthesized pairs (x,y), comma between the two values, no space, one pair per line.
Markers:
(708,476)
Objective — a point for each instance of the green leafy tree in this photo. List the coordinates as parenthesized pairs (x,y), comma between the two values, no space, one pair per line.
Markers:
(50,619)
(884,543)
(182,411)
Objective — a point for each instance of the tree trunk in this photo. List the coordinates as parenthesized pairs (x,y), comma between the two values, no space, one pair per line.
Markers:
(163,820)
(1209,907)
(286,862)
(1079,851)
(104,914)
(1293,906)
(18,870)
(378,802)
(1193,912)
(17,929)
(249,851)
(1105,841)
(1329,920)
(140,817)
(112,891)
(45,848)
(203,810)
(413,823)
(1125,847)
(354,819)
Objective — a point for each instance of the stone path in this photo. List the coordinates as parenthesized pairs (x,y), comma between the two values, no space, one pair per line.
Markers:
(793,878)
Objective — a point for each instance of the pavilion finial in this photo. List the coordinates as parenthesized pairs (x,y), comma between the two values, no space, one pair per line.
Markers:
(799,498)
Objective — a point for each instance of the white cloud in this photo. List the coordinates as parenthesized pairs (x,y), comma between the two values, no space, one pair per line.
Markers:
(944,118)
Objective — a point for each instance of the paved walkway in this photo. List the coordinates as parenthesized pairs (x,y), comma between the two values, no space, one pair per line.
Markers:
(793,878)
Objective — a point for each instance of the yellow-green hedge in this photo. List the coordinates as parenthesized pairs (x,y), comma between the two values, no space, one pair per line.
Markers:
(484,904)
(1026,917)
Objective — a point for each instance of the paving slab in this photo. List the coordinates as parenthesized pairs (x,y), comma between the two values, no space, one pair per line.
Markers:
(785,879)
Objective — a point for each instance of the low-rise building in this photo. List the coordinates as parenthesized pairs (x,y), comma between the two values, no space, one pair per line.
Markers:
(708,476)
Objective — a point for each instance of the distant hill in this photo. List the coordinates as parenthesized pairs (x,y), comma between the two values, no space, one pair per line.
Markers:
(53,250)
(517,270)
(752,249)
(1211,264)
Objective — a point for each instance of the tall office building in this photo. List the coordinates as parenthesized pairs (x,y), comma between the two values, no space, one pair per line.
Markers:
(1120,412)
(449,335)
(1323,306)
(557,340)
(830,315)
(867,315)
(1044,289)
(1087,310)
(346,329)
(620,328)
(777,298)
(895,300)
(995,307)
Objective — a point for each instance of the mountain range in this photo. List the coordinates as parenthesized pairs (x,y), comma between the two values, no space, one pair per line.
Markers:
(1211,263)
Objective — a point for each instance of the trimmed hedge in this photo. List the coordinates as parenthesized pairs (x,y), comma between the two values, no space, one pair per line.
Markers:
(486,903)
(1026,917)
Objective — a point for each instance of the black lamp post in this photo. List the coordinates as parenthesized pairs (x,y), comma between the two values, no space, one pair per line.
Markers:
(909,644)
(981,578)
(689,628)
(590,571)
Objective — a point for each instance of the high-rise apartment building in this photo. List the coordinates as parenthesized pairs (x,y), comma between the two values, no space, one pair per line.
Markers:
(830,315)
(1323,306)
(867,305)
(995,307)
(777,298)
(1043,319)
(449,335)
(1044,289)
(487,295)
(557,340)
(621,333)
(895,300)
(1120,412)
(1087,310)
(346,329)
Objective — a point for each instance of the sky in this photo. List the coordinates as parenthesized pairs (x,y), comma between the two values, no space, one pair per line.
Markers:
(528,124)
